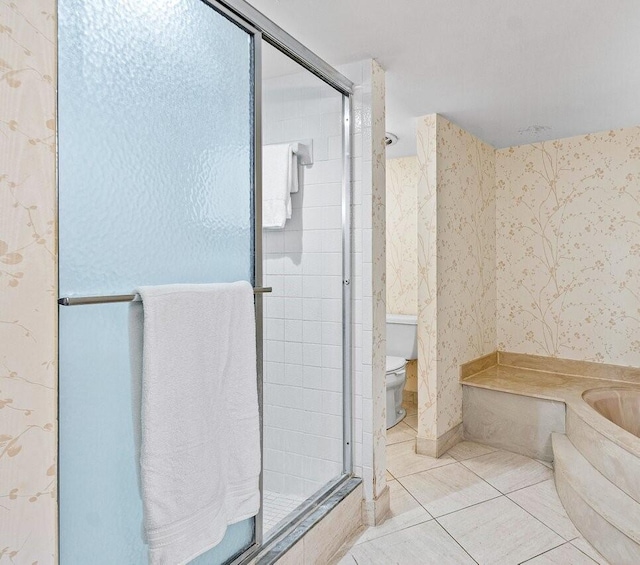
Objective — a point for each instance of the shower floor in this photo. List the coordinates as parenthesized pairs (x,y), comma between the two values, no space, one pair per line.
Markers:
(277,507)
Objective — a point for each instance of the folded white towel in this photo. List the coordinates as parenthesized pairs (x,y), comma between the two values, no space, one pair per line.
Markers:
(200,438)
(279,180)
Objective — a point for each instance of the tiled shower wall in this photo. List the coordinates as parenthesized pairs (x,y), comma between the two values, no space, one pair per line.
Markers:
(303,315)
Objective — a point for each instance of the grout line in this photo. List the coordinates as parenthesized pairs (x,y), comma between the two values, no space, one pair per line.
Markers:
(495,487)
(466,507)
(425,470)
(416,500)
(583,553)
(401,529)
(531,485)
(546,551)
(539,520)
(456,541)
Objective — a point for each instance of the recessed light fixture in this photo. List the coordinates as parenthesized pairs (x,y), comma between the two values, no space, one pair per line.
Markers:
(390,139)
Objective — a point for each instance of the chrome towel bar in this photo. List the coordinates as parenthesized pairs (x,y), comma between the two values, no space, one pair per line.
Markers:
(79,300)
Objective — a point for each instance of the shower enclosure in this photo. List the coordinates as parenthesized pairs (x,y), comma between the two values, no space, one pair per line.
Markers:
(304,325)
(162,118)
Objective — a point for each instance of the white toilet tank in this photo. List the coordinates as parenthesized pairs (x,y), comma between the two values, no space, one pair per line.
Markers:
(402,336)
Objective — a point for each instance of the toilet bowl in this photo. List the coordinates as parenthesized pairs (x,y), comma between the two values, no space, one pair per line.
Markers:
(395,379)
(401,345)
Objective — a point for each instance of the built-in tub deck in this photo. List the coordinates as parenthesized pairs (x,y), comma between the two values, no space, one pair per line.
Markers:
(559,387)
(545,408)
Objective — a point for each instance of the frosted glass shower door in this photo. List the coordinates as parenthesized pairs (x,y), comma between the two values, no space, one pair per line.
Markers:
(156,184)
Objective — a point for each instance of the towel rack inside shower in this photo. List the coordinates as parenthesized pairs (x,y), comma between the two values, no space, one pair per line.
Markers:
(80,300)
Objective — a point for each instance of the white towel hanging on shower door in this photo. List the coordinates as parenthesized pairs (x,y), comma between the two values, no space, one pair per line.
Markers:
(279,180)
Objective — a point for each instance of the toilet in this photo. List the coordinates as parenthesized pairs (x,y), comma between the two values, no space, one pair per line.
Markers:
(402,345)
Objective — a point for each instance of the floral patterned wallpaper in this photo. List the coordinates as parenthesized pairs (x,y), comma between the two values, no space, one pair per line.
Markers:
(427,277)
(402,236)
(27,282)
(378,278)
(457,294)
(568,257)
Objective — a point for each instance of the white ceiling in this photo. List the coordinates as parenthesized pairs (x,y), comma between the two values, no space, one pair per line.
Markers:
(509,71)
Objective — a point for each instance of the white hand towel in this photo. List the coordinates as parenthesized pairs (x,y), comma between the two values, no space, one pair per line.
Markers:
(279,180)
(200,439)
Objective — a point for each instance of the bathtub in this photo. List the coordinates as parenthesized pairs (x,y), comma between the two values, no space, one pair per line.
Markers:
(597,469)
(618,405)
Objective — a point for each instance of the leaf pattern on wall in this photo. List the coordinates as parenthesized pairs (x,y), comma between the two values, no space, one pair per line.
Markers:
(568,264)
(402,234)
(457,258)
(27,280)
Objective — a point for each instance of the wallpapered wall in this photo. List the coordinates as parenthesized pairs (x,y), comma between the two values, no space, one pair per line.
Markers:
(402,236)
(27,282)
(457,258)
(568,256)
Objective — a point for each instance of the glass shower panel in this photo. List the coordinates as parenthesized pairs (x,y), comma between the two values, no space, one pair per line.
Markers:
(155,187)
(303,335)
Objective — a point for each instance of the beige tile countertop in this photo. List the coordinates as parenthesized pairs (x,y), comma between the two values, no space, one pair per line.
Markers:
(567,388)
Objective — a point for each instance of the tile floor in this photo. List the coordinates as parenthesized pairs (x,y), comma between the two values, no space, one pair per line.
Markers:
(276,507)
(475,505)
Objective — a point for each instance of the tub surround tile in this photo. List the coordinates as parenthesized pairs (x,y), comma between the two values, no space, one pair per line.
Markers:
(566,554)
(617,464)
(403,460)
(557,387)
(603,497)
(605,538)
(424,543)
(405,511)
(508,471)
(469,449)
(399,433)
(447,489)
(541,501)
(512,422)
(570,367)
(481,530)
(478,365)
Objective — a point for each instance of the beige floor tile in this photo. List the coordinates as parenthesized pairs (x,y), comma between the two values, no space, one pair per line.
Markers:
(403,460)
(566,554)
(499,531)
(586,548)
(423,544)
(410,407)
(400,432)
(346,560)
(404,512)
(447,489)
(508,471)
(390,477)
(545,463)
(412,421)
(541,500)
(468,449)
